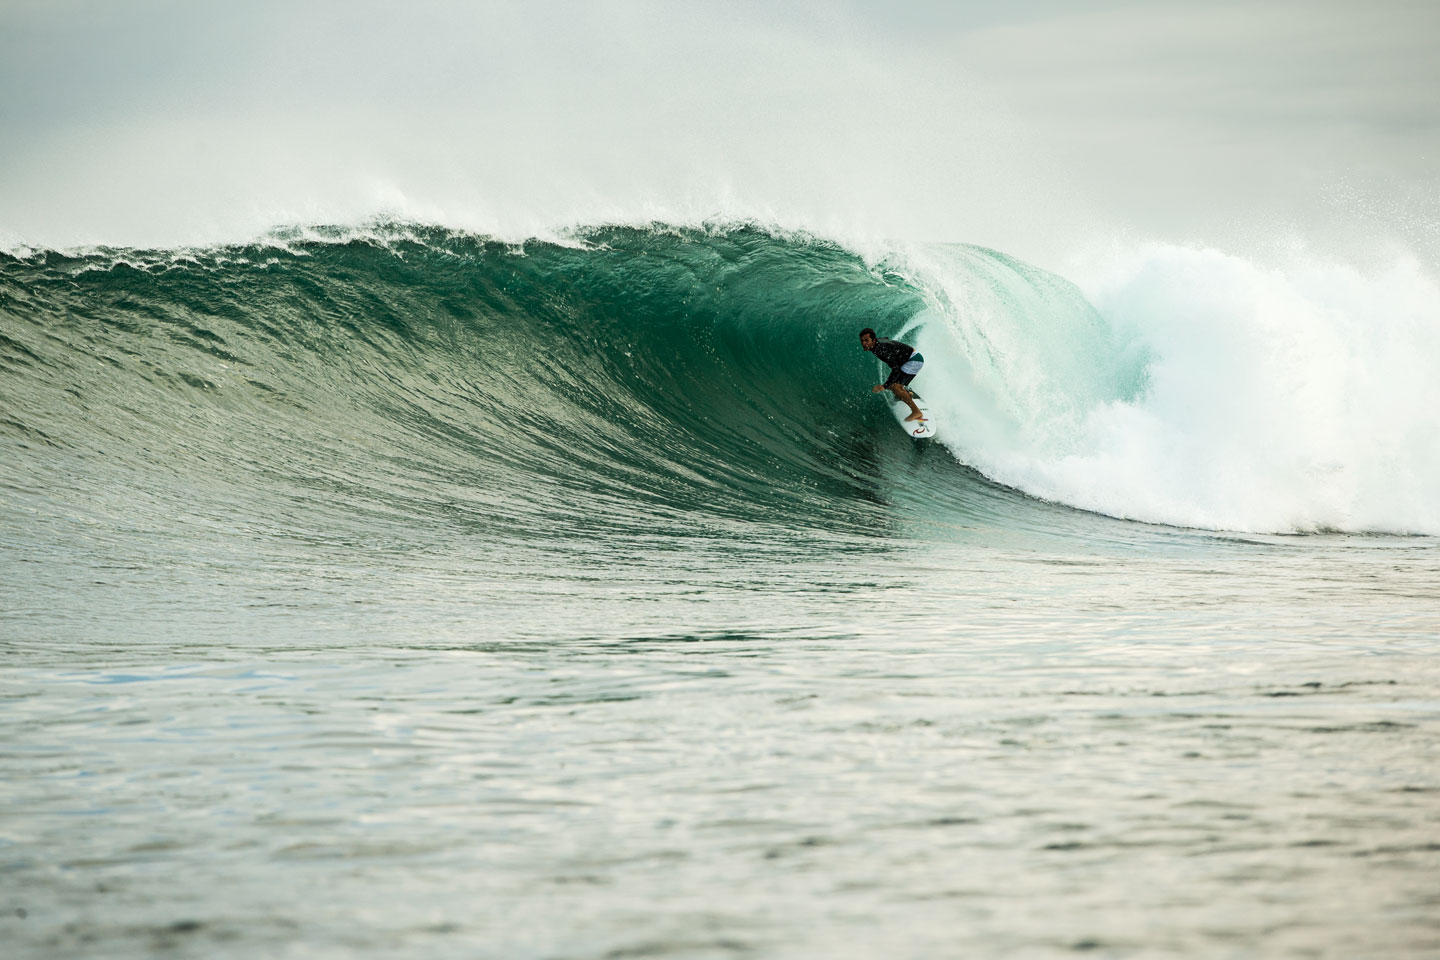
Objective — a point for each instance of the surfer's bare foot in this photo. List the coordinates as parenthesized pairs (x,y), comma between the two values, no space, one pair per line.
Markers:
(915,416)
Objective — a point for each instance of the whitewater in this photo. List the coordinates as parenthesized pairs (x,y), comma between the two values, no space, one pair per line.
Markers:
(396,588)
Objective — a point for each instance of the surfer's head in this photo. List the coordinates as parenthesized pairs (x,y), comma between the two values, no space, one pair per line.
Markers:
(867,338)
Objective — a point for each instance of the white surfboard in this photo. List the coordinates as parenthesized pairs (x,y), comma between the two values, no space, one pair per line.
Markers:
(919,429)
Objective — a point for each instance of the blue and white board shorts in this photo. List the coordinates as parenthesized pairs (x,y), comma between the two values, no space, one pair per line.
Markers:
(907,371)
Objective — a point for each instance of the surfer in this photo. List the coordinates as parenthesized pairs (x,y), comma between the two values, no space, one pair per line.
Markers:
(903,362)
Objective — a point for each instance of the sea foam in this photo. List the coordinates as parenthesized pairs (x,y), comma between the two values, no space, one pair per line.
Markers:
(1291,398)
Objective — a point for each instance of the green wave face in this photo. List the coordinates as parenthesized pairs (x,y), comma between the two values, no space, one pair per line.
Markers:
(634,381)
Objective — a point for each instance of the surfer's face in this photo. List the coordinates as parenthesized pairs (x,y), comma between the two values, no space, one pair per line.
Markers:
(867,341)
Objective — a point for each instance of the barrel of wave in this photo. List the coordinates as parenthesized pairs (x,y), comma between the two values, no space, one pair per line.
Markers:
(1015,356)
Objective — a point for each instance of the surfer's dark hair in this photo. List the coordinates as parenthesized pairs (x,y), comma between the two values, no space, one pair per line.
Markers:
(869,331)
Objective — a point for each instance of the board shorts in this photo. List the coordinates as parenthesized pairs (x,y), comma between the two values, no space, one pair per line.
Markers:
(906,371)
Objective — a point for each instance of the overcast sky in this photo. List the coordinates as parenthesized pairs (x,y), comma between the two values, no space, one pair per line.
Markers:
(1030,126)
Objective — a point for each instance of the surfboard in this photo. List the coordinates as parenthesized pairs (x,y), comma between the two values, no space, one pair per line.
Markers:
(919,429)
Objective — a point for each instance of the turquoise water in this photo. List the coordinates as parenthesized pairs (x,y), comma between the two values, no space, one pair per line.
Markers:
(398,591)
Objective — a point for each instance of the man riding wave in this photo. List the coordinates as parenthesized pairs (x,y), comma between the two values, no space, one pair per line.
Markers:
(903,362)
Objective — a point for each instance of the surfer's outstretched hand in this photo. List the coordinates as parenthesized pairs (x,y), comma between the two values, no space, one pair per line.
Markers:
(877,388)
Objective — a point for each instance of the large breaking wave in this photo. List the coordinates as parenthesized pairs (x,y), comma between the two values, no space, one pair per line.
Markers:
(639,378)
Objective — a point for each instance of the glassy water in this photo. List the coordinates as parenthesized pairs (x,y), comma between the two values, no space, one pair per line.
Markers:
(1192,747)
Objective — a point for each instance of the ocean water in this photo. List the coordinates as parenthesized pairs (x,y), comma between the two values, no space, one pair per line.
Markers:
(395,591)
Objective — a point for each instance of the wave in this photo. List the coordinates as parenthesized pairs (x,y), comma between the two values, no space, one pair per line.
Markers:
(704,379)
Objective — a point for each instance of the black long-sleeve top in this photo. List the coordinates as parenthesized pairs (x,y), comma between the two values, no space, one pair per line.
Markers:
(892,353)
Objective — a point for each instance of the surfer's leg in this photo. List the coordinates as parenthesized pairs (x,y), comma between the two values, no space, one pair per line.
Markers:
(899,390)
